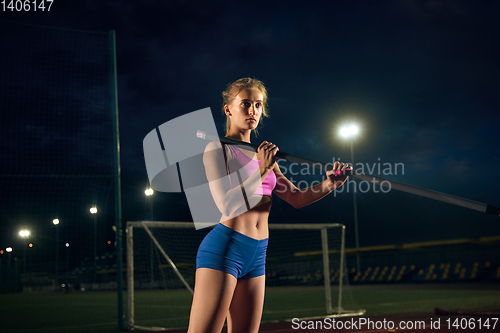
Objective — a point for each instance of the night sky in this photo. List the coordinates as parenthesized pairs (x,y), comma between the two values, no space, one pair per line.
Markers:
(419,77)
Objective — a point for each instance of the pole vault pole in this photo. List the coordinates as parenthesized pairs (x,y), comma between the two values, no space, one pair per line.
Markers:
(448,198)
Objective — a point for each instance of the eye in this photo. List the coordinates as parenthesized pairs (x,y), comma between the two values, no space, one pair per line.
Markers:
(259,105)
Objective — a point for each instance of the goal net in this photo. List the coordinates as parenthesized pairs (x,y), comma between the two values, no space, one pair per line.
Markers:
(58,144)
(306,274)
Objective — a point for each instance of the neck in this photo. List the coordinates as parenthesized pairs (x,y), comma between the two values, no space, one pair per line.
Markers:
(239,134)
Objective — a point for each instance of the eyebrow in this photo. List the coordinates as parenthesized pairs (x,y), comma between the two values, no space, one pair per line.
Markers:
(246,99)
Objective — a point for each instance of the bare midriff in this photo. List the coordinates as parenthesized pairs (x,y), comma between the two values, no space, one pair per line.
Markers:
(253,223)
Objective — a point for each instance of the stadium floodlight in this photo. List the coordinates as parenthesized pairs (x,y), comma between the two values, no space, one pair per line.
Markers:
(55,221)
(149,192)
(9,249)
(93,210)
(349,131)
(24,233)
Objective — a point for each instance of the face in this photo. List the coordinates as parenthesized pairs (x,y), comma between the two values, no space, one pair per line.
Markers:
(245,110)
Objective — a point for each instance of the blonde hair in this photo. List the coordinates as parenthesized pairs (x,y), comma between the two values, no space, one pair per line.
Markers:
(233,89)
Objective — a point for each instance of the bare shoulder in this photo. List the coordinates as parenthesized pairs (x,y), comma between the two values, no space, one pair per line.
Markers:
(212,145)
(214,148)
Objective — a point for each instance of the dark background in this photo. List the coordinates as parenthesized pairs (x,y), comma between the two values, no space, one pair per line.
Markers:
(420,78)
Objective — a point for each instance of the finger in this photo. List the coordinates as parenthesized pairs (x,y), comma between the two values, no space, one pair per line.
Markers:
(345,168)
(263,146)
(339,170)
(336,168)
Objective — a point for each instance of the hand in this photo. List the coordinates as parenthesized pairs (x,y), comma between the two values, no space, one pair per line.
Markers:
(337,176)
(266,153)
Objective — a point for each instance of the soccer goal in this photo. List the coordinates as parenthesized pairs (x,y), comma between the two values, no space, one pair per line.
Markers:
(306,273)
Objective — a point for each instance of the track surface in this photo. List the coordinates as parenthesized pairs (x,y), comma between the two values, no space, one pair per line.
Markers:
(430,319)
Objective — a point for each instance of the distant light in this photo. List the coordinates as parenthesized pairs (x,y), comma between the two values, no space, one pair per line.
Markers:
(55,221)
(24,233)
(82,289)
(349,131)
(67,244)
(1,251)
(149,192)
(63,285)
(31,245)
(93,210)
(9,249)
(109,242)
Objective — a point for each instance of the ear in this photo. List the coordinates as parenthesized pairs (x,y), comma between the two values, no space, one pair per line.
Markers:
(226,110)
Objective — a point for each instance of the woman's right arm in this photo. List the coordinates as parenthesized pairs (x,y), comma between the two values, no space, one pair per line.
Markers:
(229,197)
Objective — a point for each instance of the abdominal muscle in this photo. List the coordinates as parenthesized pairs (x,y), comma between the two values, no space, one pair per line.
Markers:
(253,223)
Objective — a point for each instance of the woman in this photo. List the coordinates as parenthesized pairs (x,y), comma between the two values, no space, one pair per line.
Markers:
(230,266)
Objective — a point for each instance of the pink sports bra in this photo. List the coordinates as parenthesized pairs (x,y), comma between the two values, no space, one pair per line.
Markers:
(247,166)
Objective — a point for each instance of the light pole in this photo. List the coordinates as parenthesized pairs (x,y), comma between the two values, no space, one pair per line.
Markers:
(149,193)
(9,251)
(93,211)
(349,133)
(56,223)
(24,234)
(67,257)
(9,272)
(66,282)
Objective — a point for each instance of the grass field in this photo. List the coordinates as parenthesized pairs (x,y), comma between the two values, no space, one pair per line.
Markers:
(97,312)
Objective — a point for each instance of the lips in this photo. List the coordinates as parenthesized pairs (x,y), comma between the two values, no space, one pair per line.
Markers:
(251,119)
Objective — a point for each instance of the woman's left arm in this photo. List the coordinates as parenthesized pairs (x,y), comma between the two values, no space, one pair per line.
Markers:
(298,198)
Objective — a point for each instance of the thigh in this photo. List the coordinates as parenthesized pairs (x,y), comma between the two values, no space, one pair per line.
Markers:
(245,311)
(213,291)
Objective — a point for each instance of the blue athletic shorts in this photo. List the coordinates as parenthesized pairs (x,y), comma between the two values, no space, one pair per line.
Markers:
(232,252)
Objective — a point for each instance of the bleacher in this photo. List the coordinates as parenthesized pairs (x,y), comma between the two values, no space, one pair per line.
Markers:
(455,260)
(452,272)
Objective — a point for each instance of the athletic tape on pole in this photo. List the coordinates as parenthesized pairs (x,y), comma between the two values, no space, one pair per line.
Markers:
(448,198)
